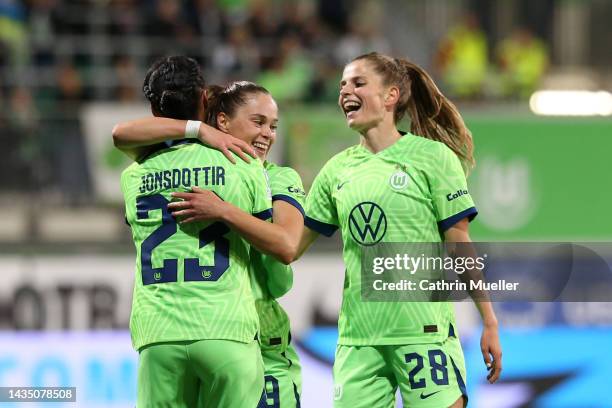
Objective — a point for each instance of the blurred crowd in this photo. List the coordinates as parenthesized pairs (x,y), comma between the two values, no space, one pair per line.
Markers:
(56,55)
(470,67)
(108,45)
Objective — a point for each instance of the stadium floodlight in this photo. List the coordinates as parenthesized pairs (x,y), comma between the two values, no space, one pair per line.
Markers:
(571,103)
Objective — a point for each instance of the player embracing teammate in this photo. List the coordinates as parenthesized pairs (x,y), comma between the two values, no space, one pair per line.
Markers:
(247,111)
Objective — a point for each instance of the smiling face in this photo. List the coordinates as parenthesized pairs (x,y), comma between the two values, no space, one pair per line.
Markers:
(255,122)
(364,98)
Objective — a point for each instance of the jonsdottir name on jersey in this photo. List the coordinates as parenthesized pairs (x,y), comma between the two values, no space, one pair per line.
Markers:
(183,177)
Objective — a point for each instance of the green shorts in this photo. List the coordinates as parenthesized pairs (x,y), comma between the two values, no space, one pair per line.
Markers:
(428,375)
(204,373)
(283,375)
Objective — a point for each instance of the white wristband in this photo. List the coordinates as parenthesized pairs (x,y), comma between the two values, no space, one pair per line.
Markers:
(192,130)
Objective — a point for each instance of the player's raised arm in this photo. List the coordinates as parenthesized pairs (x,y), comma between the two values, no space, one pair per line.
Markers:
(135,137)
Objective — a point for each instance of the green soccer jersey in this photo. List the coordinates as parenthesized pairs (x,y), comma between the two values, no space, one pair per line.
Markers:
(410,192)
(270,278)
(192,280)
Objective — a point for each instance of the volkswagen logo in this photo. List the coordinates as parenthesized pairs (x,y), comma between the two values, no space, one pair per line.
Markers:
(367,223)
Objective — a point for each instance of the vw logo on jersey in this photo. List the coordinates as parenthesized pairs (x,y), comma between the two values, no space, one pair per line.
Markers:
(367,223)
(398,180)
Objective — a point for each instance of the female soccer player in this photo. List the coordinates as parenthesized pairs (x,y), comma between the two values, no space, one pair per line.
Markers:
(193,325)
(248,112)
(394,188)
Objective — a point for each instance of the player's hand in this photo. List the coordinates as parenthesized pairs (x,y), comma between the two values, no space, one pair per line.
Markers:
(491,351)
(226,143)
(199,205)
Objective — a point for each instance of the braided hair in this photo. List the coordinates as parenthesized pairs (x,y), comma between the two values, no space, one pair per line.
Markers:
(173,86)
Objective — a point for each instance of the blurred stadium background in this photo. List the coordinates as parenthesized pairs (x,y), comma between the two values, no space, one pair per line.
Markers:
(69,70)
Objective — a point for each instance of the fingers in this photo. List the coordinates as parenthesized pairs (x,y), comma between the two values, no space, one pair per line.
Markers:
(497,367)
(184,196)
(494,374)
(179,205)
(184,213)
(244,147)
(226,152)
(487,357)
(240,153)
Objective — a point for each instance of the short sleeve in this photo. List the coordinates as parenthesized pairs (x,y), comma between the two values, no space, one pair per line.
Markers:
(130,208)
(321,213)
(287,186)
(451,198)
(260,191)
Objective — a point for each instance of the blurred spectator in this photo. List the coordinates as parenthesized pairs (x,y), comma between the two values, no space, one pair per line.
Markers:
(42,21)
(18,126)
(290,72)
(168,30)
(23,113)
(462,58)
(261,21)
(13,31)
(4,61)
(363,35)
(64,138)
(317,37)
(125,17)
(292,19)
(70,91)
(323,87)
(238,57)
(334,13)
(210,19)
(127,88)
(522,59)
(73,17)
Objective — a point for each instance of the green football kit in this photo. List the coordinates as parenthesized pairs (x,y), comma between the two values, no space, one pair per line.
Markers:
(412,191)
(192,281)
(270,280)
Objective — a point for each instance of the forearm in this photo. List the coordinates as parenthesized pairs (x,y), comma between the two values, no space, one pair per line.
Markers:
(267,237)
(279,277)
(306,239)
(147,131)
(487,314)
(464,248)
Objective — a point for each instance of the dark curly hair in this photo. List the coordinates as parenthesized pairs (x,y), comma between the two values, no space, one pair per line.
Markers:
(173,86)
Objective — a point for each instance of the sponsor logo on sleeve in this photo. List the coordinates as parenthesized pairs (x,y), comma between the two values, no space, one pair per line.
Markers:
(296,190)
(453,196)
